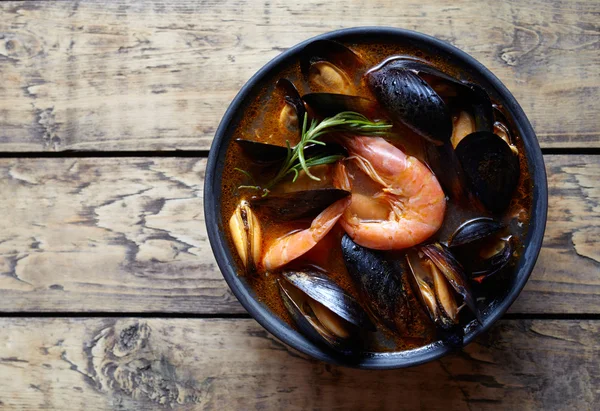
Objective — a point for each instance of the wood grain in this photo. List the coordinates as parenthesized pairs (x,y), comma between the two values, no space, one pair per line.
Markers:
(158,75)
(128,235)
(107,364)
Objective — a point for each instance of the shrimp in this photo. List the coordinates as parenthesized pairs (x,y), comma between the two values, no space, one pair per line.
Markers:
(409,194)
(291,246)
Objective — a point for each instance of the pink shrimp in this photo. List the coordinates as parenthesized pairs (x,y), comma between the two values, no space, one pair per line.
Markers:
(408,208)
(292,246)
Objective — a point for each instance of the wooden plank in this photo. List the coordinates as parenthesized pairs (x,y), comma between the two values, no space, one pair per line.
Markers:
(565,279)
(128,235)
(102,364)
(158,75)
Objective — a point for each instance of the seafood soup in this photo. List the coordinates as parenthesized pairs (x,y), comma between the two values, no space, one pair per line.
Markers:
(375,198)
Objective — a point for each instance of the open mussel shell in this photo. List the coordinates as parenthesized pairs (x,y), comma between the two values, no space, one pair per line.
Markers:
(322,289)
(474,230)
(330,104)
(293,112)
(322,310)
(481,249)
(302,320)
(329,66)
(297,205)
(331,52)
(503,128)
(453,271)
(433,291)
(246,234)
(380,285)
(293,102)
(490,167)
(492,258)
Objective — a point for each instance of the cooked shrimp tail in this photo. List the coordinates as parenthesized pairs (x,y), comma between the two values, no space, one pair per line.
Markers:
(291,246)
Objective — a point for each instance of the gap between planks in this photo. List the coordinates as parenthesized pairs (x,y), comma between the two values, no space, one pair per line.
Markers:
(205,153)
(246,316)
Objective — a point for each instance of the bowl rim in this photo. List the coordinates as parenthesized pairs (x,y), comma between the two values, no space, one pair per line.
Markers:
(276,326)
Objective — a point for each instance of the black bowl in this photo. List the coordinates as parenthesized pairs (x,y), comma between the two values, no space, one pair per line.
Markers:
(245,294)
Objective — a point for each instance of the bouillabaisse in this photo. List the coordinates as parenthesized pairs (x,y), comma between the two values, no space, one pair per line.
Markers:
(375,198)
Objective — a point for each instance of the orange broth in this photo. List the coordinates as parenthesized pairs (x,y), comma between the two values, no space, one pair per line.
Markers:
(260,122)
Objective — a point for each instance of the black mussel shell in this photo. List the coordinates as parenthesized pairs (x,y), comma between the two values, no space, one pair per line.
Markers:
(419,96)
(443,162)
(500,117)
(297,205)
(482,269)
(292,97)
(474,230)
(302,321)
(490,167)
(444,84)
(331,51)
(380,285)
(263,153)
(477,101)
(409,99)
(330,104)
(321,289)
(453,271)
(424,287)
(457,93)
(503,127)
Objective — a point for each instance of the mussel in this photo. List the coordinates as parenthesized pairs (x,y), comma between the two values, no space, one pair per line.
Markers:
(380,284)
(322,310)
(424,98)
(453,272)
(290,117)
(326,65)
(480,245)
(292,114)
(490,167)
(433,290)
(502,128)
(474,230)
(246,235)
(297,205)
(441,286)
(410,100)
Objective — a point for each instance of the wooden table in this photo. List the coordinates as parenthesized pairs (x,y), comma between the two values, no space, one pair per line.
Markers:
(109,294)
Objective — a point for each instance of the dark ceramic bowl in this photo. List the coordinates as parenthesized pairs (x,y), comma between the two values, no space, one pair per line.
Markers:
(215,226)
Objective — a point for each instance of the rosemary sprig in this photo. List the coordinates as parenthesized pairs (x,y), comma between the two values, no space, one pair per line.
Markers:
(347,121)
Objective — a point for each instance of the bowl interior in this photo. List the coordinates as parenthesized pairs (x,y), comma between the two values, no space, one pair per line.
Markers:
(245,294)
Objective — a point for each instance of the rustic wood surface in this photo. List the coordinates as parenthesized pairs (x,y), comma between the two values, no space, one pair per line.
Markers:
(99,364)
(136,238)
(90,245)
(158,75)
